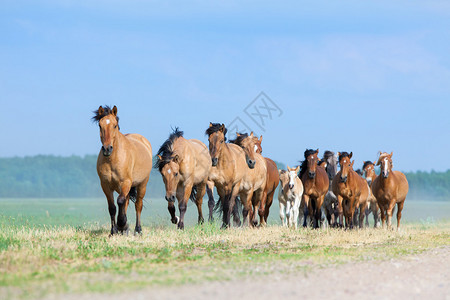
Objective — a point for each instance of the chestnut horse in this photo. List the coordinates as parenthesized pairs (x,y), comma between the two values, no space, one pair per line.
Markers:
(351,191)
(370,175)
(272,181)
(123,166)
(289,196)
(315,186)
(184,166)
(390,188)
(253,184)
(229,166)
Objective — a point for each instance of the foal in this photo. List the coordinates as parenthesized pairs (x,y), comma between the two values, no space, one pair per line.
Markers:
(289,196)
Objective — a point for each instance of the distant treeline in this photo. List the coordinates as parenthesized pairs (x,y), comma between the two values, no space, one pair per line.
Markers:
(47,176)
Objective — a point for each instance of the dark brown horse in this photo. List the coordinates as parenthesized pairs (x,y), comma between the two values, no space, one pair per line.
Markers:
(272,181)
(315,185)
(123,166)
(351,191)
(390,188)
(229,167)
(185,166)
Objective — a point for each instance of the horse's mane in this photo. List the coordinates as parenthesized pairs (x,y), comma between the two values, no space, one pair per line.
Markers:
(166,149)
(238,140)
(343,154)
(214,128)
(304,163)
(359,172)
(327,154)
(367,163)
(106,111)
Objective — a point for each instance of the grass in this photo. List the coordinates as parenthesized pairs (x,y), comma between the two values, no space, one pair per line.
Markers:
(40,254)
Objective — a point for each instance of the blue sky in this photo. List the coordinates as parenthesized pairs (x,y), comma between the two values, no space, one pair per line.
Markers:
(358,76)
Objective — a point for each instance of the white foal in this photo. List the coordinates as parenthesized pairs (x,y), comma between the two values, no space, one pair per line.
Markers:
(289,196)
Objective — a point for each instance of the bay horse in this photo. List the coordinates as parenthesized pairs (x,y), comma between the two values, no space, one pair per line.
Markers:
(229,166)
(289,196)
(272,181)
(123,166)
(351,191)
(390,188)
(370,175)
(184,166)
(330,205)
(253,184)
(315,186)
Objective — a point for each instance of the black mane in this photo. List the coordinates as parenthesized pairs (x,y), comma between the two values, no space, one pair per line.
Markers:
(327,154)
(304,164)
(343,154)
(367,163)
(238,140)
(106,112)
(216,127)
(166,149)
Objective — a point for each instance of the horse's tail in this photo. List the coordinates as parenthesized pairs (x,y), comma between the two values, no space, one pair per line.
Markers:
(133,194)
(218,208)
(193,195)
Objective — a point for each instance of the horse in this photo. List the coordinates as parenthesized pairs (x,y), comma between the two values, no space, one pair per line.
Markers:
(272,181)
(330,205)
(123,166)
(351,191)
(253,183)
(370,175)
(315,186)
(289,196)
(184,166)
(390,188)
(229,166)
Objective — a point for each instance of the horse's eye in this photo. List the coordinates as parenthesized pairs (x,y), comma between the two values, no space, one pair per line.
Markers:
(115,126)
(221,141)
(176,174)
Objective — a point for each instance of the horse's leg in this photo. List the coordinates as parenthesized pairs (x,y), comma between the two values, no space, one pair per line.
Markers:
(141,189)
(282,212)
(246,199)
(390,211)
(269,201)
(209,191)
(201,190)
(383,216)
(111,206)
(312,208)
(305,202)
(183,193)
(375,209)
(262,209)
(399,213)
(288,213)
(257,201)
(319,210)
(296,211)
(362,214)
(228,200)
(340,210)
(123,201)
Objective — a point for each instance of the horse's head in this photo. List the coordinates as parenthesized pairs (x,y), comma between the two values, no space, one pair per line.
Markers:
(258,144)
(292,174)
(109,127)
(216,137)
(331,164)
(385,161)
(369,171)
(311,162)
(346,165)
(169,169)
(248,144)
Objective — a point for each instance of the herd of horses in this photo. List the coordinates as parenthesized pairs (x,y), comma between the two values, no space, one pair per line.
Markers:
(244,179)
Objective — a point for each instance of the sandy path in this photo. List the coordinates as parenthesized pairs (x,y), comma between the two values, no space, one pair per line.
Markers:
(423,276)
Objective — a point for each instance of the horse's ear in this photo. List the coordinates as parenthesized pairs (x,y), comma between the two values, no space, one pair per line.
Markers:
(210,124)
(351,165)
(114,110)
(317,151)
(100,110)
(297,169)
(251,134)
(338,154)
(374,162)
(287,166)
(391,154)
(260,139)
(351,154)
(222,128)
(279,171)
(159,157)
(237,134)
(378,162)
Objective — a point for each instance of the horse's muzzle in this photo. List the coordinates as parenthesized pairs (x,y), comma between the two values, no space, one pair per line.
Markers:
(312,174)
(291,186)
(214,161)
(344,179)
(251,163)
(107,151)
(385,175)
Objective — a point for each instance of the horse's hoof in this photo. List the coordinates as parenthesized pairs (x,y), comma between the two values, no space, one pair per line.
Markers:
(138,230)
(181,225)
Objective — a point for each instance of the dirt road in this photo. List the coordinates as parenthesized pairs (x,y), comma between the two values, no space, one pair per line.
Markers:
(423,276)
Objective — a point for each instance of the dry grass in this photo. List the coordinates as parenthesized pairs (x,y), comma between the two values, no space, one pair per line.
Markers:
(35,262)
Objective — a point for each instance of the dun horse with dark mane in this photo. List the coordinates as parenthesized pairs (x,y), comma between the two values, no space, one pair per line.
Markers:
(184,166)
(123,166)
(390,188)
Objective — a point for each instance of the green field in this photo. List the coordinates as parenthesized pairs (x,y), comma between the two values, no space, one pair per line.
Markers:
(59,246)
